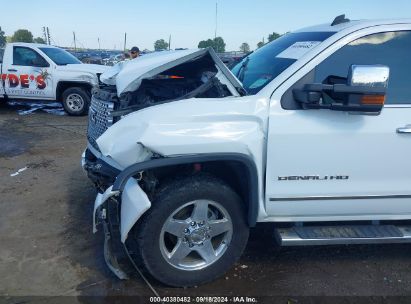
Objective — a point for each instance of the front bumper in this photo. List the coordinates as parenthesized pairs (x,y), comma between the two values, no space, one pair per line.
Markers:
(118,212)
(106,214)
(98,171)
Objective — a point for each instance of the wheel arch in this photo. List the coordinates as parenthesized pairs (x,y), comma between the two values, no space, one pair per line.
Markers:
(64,85)
(239,171)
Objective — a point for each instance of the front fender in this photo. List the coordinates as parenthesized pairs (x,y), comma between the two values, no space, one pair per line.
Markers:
(134,202)
(122,180)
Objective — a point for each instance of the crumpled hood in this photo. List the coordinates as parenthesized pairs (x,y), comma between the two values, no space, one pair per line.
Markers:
(190,126)
(127,75)
(85,68)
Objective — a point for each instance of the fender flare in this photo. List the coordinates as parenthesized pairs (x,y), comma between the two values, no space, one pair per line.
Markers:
(247,161)
(63,85)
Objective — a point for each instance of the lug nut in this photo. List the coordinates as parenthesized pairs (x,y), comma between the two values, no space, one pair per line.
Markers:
(193,224)
(186,230)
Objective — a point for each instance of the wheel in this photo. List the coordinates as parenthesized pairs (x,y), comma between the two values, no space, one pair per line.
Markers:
(76,101)
(194,232)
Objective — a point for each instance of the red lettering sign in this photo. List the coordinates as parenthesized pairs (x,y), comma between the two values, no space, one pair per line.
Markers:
(13,81)
(41,84)
(24,81)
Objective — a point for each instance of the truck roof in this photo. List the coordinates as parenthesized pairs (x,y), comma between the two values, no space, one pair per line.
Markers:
(355,24)
(32,44)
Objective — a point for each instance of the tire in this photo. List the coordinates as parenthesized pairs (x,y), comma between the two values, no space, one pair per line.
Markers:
(153,245)
(76,101)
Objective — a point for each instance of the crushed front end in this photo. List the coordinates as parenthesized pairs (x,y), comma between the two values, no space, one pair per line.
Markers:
(116,138)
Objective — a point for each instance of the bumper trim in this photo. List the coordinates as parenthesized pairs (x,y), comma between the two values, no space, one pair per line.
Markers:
(101,198)
(109,257)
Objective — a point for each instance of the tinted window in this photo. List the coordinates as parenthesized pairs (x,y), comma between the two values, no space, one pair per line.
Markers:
(27,57)
(260,67)
(59,56)
(392,49)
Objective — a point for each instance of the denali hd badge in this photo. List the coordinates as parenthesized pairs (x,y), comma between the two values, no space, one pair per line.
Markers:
(313,177)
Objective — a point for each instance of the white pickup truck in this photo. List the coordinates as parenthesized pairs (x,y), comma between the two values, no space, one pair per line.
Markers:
(44,72)
(311,132)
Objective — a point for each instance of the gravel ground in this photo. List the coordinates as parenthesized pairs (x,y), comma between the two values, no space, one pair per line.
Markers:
(47,248)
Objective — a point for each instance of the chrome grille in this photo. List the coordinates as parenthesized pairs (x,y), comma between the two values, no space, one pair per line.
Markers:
(99,119)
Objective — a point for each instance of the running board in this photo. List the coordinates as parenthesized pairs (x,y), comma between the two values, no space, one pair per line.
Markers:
(349,234)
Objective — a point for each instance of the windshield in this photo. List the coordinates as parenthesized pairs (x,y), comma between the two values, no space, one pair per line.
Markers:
(59,56)
(260,67)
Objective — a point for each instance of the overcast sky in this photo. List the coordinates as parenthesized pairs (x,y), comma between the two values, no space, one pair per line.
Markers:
(187,21)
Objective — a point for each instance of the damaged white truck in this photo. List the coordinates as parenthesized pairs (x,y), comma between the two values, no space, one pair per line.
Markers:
(310,132)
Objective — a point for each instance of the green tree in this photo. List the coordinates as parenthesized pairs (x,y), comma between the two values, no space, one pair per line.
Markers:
(22,36)
(2,38)
(39,40)
(160,45)
(245,47)
(273,36)
(260,44)
(217,44)
(205,44)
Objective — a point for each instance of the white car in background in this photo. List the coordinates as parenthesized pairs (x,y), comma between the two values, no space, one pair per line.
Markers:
(43,72)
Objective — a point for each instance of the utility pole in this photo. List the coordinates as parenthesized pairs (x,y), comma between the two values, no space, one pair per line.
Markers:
(215,32)
(169,42)
(125,41)
(74,39)
(48,35)
(98,40)
(44,34)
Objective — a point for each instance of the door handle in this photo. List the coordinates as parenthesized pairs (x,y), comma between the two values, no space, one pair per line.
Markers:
(12,70)
(406,129)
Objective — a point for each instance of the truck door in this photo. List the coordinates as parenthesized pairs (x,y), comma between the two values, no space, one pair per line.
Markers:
(328,165)
(28,75)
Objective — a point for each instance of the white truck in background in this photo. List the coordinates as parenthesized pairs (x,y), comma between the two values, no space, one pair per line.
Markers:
(44,72)
(310,132)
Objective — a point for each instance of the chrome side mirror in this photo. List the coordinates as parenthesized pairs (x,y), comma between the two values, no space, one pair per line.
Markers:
(369,76)
(363,92)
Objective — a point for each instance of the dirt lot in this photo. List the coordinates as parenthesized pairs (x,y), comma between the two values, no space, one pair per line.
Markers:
(47,247)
